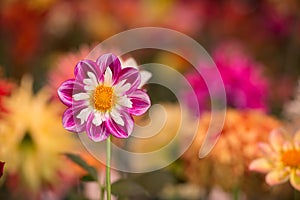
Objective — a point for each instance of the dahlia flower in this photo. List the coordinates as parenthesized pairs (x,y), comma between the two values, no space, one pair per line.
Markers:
(102,98)
(32,138)
(64,66)
(228,162)
(244,84)
(281,159)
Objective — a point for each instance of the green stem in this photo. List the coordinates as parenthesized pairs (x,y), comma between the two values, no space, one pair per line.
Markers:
(108,155)
(236,193)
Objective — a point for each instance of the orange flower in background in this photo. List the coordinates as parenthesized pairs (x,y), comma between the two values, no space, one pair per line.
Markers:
(281,159)
(22,32)
(227,164)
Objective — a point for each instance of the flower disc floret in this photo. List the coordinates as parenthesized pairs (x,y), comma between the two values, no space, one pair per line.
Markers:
(291,158)
(103,98)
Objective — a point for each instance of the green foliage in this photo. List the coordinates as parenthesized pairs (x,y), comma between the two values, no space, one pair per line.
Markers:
(128,188)
(91,171)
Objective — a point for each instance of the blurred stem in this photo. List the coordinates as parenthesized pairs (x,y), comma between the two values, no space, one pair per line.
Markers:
(108,155)
(235,193)
(102,190)
(296,195)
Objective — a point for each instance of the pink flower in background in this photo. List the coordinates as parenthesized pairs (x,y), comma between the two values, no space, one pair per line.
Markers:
(1,168)
(281,159)
(64,67)
(244,84)
(102,98)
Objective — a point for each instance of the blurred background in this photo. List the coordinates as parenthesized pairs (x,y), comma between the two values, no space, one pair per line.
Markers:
(254,43)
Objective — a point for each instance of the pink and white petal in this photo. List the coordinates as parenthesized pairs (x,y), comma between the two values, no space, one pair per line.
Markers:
(118,130)
(130,62)
(71,123)
(295,179)
(98,119)
(277,176)
(84,114)
(124,101)
(140,102)
(265,148)
(96,133)
(120,88)
(115,115)
(145,77)
(90,83)
(108,80)
(111,61)
(277,139)
(81,96)
(84,67)
(132,76)
(261,165)
(65,92)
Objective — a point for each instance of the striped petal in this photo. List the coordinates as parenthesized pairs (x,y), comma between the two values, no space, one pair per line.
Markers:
(71,123)
(118,130)
(131,76)
(65,92)
(84,68)
(96,133)
(111,61)
(140,102)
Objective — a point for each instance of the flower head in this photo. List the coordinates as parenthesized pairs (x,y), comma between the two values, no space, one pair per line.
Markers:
(244,84)
(281,160)
(102,98)
(32,138)
(228,162)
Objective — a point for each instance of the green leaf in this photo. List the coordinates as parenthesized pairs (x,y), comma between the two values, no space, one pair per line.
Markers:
(128,188)
(88,178)
(91,171)
(155,181)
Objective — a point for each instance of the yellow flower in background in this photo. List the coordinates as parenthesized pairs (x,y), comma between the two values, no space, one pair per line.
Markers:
(170,128)
(281,160)
(32,137)
(227,164)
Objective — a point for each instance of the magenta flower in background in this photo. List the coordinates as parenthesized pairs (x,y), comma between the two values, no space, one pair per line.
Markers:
(1,168)
(102,98)
(244,84)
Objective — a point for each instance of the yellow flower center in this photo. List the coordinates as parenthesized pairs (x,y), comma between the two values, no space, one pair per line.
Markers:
(103,98)
(291,158)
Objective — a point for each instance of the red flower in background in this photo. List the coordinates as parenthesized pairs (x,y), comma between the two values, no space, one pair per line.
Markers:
(20,37)
(5,89)
(1,168)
